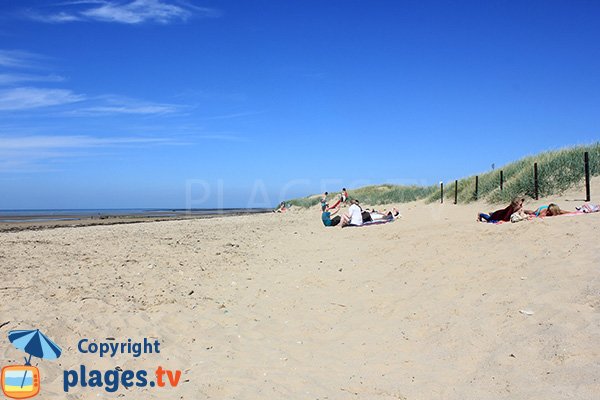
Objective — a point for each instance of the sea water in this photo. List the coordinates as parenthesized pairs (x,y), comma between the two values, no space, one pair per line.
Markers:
(8,216)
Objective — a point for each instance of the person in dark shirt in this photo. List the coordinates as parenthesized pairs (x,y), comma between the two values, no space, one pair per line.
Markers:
(504,214)
(327,213)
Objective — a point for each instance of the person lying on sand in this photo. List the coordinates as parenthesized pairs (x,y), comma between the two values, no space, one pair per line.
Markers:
(382,216)
(547,211)
(504,214)
(588,208)
(327,213)
(353,216)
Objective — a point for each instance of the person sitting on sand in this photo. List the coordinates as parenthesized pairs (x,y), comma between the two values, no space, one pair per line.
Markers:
(282,208)
(504,214)
(547,211)
(324,199)
(344,195)
(353,216)
(343,198)
(327,213)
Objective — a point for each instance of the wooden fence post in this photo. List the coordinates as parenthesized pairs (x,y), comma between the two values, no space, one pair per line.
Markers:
(501,180)
(535,181)
(477,187)
(456,192)
(586,163)
(441,192)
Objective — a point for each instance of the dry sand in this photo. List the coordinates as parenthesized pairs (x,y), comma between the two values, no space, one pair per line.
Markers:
(279,307)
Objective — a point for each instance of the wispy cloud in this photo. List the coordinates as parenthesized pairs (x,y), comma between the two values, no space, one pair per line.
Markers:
(234,115)
(14,96)
(27,98)
(23,98)
(11,79)
(19,165)
(57,18)
(125,12)
(111,105)
(39,153)
(124,109)
(138,11)
(224,137)
(17,59)
(74,141)
(29,160)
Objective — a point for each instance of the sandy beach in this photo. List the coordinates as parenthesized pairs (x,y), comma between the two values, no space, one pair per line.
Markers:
(167,168)
(274,306)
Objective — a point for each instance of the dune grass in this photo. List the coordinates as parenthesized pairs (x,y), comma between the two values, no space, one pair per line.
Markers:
(385,194)
(305,202)
(376,194)
(558,171)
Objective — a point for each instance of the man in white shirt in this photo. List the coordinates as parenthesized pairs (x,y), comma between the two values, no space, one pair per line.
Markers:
(353,216)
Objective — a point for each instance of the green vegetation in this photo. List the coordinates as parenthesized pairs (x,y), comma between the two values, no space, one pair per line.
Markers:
(385,194)
(378,194)
(558,171)
(305,201)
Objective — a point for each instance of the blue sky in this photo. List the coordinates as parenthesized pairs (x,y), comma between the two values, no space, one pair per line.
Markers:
(165,103)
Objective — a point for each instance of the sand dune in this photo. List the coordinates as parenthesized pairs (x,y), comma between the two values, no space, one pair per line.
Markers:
(277,306)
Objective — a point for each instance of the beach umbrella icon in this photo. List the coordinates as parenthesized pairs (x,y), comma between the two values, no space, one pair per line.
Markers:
(34,343)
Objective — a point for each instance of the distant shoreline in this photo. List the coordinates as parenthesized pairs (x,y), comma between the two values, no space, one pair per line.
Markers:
(21,220)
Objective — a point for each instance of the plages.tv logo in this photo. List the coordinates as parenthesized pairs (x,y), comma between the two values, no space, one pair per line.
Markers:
(115,379)
(23,381)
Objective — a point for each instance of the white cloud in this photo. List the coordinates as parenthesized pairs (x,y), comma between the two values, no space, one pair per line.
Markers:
(29,160)
(26,98)
(126,106)
(16,59)
(39,153)
(235,115)
(221,137)
(59,17)
(65,142)
(138,11)
(111,104)
(11,79)
(125,12)
(148,109)
(23,98)
(14,98)
(75,2)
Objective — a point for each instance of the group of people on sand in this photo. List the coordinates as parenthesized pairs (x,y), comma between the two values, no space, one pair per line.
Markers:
(355,216)
(515,212)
